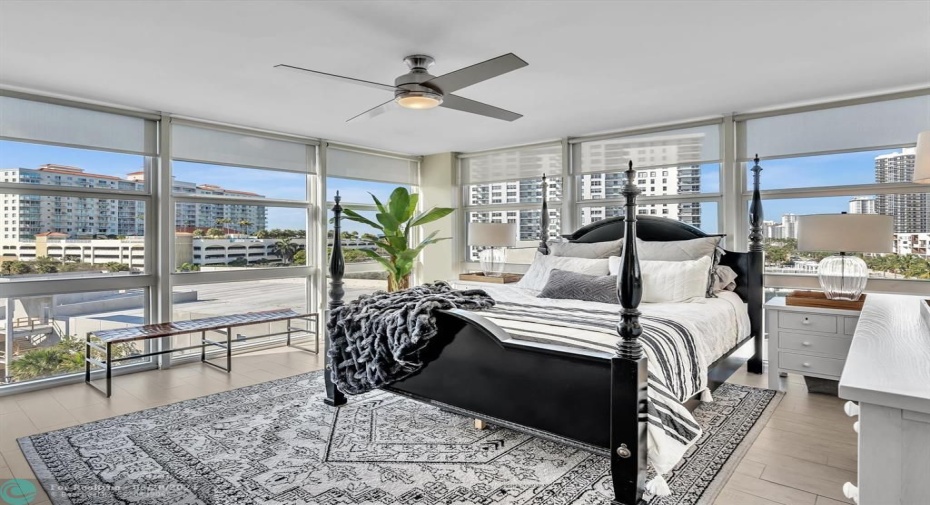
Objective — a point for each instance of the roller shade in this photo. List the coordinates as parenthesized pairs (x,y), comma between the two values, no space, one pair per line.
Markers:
(347,164)
(208,145)
(689,146)
(30,121)
(512,165)
(876,124)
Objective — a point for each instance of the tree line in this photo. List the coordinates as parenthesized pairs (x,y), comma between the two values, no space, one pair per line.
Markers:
(784,252)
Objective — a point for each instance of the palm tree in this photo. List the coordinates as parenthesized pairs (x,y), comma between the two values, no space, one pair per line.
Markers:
(245,224)
(222,222)
(285,249)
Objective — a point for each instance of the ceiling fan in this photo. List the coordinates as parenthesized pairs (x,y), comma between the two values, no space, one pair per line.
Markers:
(418,89)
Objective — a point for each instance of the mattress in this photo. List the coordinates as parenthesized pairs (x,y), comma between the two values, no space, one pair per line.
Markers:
(717,324)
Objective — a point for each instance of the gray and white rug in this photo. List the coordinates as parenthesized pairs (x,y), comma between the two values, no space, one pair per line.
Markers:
(277,443)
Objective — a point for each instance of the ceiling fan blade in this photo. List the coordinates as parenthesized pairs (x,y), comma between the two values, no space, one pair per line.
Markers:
(465,105)
(370,84)
(454,81)
(376,111)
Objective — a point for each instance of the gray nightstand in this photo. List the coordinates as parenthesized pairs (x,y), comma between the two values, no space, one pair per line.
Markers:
(810,341)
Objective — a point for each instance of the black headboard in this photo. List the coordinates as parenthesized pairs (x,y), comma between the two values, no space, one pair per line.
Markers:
(662,229)
(747,265)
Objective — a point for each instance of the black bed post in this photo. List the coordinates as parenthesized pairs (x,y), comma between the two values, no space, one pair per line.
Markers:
(756,274)
(544,219)
(337,268)
(628,371)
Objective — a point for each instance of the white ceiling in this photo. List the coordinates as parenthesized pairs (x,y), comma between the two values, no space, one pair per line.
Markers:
(593,66)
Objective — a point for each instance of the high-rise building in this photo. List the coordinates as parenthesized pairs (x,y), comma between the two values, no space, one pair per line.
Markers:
(911,211)
(25,216)
(786,228)
(667,180)
(862,205)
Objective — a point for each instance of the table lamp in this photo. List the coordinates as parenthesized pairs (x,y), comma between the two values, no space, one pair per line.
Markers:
(922,159)
(493,236)
(843,277)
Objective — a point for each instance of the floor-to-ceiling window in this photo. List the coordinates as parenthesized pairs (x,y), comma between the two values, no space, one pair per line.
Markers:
(856,158)
(76,232)
(358,175)
(506,187)
(678,172)
(242,238)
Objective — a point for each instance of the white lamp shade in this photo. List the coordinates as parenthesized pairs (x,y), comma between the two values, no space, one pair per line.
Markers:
(865,233)
(492,234)
(922,160)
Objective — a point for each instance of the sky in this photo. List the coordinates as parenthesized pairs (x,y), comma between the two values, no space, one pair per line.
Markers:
(849,168)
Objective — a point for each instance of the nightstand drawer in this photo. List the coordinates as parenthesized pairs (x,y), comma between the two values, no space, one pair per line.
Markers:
(831,346)
(807,322)
(849,325)
(810,364)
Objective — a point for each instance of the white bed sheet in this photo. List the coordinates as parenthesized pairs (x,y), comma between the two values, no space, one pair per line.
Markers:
(717,324)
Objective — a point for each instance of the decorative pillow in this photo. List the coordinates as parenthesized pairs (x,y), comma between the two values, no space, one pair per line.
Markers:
(724,279)
(677,250)
(674,281)
(567,285)
(593,250)
(535,278)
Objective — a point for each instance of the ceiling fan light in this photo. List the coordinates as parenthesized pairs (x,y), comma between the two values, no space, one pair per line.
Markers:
(419,100)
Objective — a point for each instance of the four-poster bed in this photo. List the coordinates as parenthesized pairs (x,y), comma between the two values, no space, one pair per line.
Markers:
(589,398)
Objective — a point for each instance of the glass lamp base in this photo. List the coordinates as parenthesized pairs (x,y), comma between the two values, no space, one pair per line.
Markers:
(843,277)
(492,261)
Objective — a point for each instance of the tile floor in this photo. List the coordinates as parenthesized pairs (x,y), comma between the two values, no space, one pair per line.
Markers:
(803,456)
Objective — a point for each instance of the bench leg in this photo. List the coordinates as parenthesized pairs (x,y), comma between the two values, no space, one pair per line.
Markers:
(229,349)
(109,366)
(480,425)
(87,359)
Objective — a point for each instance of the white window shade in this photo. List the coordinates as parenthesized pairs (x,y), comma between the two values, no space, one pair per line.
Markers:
(870,125)
(512,165)
(347,164)
(689,146)
(29,121)
(208,145)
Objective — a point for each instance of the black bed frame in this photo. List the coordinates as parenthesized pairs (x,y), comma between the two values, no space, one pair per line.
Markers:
(592,399)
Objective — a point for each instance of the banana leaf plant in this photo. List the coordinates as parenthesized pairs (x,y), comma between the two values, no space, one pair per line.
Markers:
(396,222)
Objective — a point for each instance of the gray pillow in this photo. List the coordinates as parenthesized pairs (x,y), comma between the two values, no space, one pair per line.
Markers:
(684,250)
(565,285)
(596,250)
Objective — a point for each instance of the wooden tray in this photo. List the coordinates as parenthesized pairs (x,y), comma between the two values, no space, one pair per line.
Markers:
(480,277)
(818,299)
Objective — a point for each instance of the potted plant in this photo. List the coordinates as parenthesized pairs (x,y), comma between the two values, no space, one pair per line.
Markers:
(396,221)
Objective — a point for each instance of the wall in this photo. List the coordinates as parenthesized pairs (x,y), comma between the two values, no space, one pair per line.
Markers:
(440,261)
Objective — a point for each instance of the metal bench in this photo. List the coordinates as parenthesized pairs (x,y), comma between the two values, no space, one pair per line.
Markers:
(104,340)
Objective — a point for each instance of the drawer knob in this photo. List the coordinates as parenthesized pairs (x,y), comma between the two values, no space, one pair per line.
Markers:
(851,492)
(806,364)
(806,343)
(852,410)
(806,321)
(856,426)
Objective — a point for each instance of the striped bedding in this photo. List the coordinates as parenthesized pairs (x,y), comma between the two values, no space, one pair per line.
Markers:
(680,341)
(677,370)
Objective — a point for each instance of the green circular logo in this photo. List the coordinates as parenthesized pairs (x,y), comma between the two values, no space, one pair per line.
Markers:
(17,492)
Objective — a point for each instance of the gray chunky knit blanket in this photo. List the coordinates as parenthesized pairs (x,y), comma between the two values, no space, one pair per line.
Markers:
(376,339)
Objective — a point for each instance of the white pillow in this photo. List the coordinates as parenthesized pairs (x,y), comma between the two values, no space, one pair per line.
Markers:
(580,250)
(724,279)
(543,264)
(674,281)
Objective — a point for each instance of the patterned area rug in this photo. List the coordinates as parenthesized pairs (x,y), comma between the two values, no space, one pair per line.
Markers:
(277,443)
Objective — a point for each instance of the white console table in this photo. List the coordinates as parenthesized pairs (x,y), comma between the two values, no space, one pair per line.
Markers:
(887,372)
